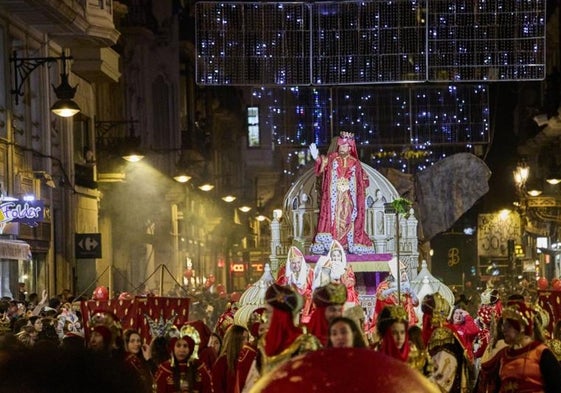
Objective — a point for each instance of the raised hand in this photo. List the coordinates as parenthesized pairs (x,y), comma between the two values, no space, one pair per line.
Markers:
(314,151)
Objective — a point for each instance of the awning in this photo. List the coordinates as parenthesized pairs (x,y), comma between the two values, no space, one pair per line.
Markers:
(14,249)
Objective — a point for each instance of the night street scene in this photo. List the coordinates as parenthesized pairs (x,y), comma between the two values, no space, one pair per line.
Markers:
(262,196)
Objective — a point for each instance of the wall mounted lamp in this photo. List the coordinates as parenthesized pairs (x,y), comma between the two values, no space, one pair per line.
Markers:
(127,146)
(24,66)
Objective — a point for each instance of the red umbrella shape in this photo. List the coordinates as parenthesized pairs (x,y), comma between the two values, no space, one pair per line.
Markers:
(344,370)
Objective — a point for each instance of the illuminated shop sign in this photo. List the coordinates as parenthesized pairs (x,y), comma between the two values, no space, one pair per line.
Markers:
(25,212)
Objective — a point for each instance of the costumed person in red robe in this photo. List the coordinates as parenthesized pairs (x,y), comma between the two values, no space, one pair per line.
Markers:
(184,372)
(139,358)
(386,294)
(453,370)
(528,365)
(206,353)
(224,377)
(490,362)
(328,301)
(296,272)
(489,310)
(283,339)
(334,268)
(343,198)
(248,360)
(466,328)
(393,329)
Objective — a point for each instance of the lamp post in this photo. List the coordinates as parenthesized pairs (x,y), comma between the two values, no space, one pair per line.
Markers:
(398,206)
(520,175)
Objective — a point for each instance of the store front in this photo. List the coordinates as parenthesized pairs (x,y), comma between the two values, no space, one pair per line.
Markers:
(16,265)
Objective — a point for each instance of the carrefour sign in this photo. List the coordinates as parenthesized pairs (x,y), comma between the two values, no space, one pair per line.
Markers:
(25,212)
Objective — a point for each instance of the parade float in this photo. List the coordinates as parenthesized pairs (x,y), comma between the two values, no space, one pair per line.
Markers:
(390,226)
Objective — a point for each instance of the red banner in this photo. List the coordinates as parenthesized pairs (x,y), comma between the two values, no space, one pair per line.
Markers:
(132,312)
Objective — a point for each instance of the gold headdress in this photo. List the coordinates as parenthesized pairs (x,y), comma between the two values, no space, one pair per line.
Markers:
(330,294)
(388,316)
(190,334)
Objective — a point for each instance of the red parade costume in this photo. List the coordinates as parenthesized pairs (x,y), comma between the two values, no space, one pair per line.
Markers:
(342,200)
(194,377)
(246,357)
(301,280)
(524,370)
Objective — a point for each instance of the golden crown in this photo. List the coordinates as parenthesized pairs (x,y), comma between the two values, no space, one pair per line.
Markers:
(346,135)
(395,314)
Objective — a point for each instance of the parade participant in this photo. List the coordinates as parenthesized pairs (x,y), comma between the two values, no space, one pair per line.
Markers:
(452,369)
(328,301)
(334,268)
(344,333)
(465,328)
(386,294)
(249,361)
(488,375)
(555,342)
(343,198)
(206,354)
(224,369)
(100,339)
(393,329)
(527,365)
(296,272)
(138,357)
(283,339)
(489,311)
(184,372)
(113,324)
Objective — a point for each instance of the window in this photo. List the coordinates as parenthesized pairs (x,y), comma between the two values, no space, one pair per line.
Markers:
(253,136)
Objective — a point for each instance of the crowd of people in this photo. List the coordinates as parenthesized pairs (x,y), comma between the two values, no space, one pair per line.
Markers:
(505,347)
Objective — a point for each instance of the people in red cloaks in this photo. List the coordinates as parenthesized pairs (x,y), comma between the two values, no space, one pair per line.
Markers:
(224,369)
(283,339)
(393,329)
(489,311)
(249,362)
(343,198)
(466,329)
(329,301)
(184,372)
(206,353)
(387,294)
(296,272)
(333,267)
(452,367)
(527,364)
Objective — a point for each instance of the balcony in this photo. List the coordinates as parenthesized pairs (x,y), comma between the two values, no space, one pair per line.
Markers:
(71,23)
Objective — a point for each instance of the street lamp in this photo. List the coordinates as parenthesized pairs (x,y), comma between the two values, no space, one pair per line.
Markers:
(521,174)
(229,198)
(24,66)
